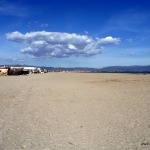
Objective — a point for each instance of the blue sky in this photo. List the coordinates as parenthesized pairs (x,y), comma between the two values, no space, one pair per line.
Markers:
(75,33)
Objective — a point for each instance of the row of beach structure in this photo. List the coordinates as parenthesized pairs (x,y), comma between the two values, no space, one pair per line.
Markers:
(8,70)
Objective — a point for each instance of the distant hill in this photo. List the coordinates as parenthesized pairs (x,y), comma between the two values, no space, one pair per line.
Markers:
(128,69)
(112,69)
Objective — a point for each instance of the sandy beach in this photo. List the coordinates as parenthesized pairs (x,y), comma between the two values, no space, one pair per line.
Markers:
(75,111)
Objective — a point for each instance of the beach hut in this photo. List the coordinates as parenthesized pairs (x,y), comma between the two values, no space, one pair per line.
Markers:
(3,71)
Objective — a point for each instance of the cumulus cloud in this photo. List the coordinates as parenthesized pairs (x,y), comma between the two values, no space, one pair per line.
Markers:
(57,44)
(108,40)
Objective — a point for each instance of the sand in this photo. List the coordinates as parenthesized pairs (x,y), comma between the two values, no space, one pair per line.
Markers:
(75,111)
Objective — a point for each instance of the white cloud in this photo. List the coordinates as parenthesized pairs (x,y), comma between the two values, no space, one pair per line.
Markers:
(109,40)
(44,25)
(16,59)
(57,44)
(7,8)
(130,40)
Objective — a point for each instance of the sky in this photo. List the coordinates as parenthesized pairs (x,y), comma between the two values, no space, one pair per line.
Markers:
(75,33)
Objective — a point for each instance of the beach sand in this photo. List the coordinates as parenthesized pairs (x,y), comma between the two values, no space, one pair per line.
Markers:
(75,111)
